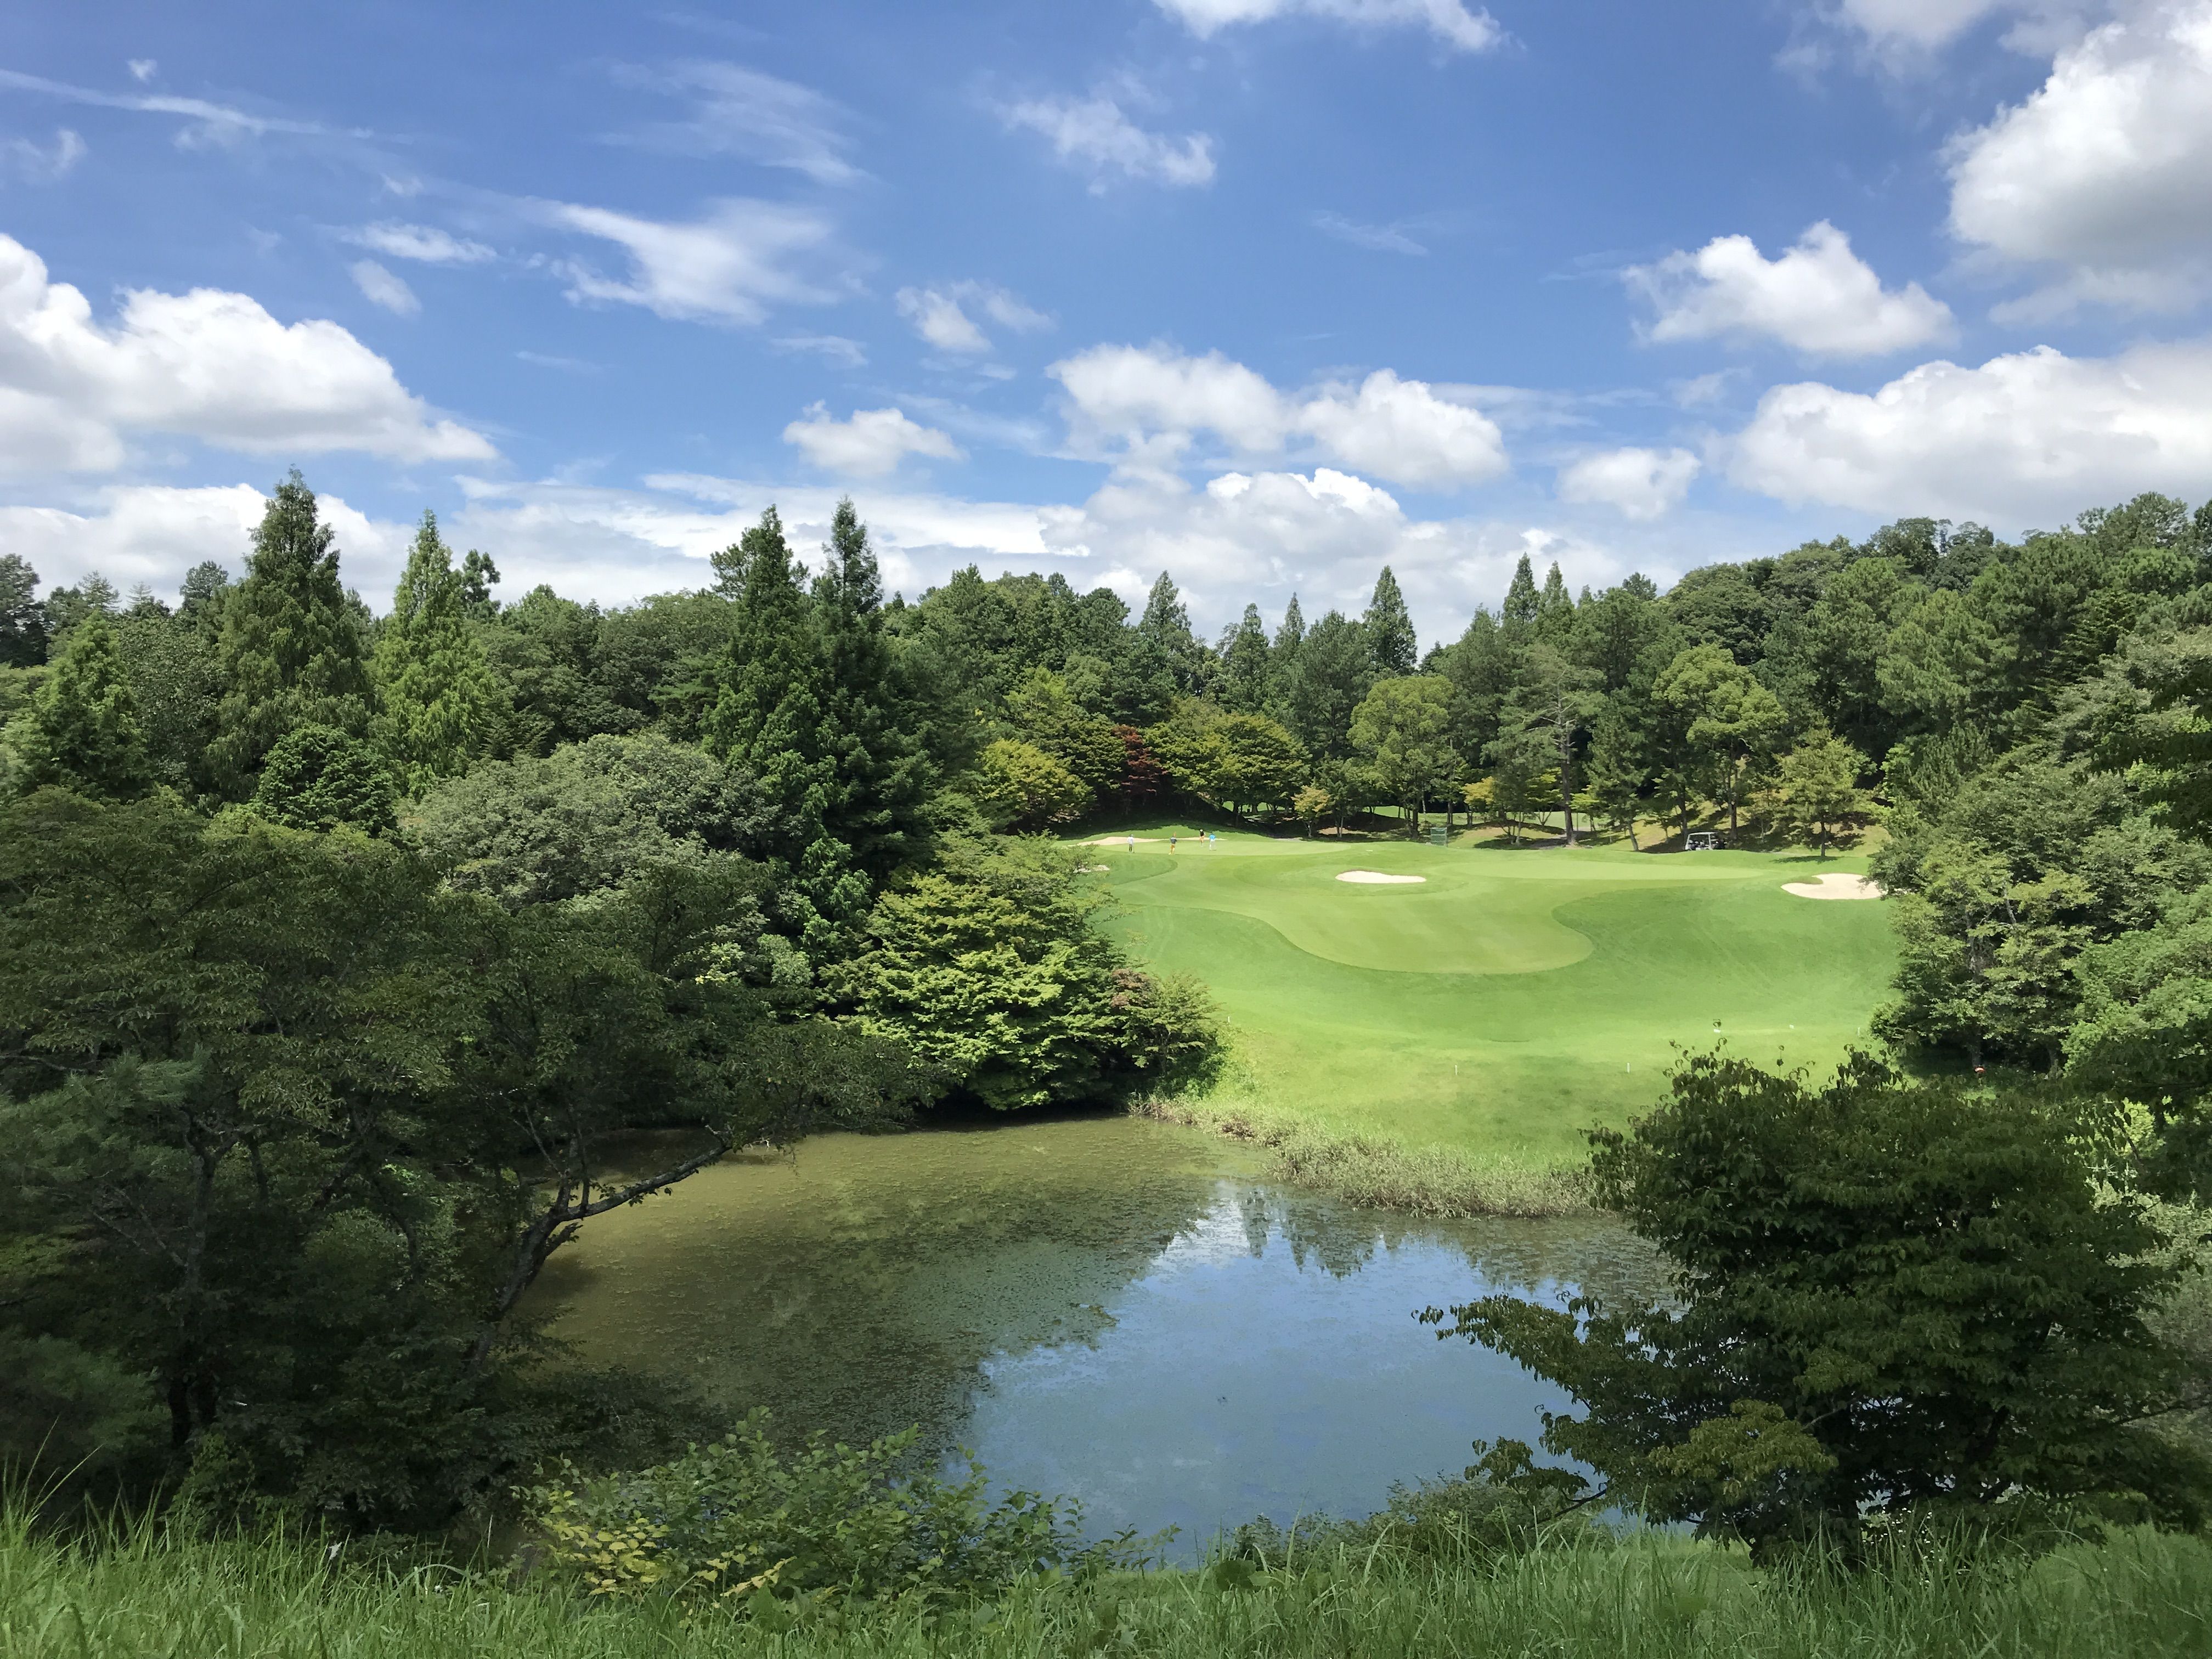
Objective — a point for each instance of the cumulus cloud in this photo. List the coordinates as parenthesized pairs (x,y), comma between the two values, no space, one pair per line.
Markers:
(1450,20)
(1639,484)
(1818,297)
(939,315)
(2106,167)
(381,288)
(745,113)
(872,443)
(1094,134)
(2023,439)
(729,267)
(1149,402)
(425,243)
(209,364)
(153,533)
(42,164)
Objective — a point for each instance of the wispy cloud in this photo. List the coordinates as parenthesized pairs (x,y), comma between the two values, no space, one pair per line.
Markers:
(210,122)
(835,347)
(728,267)
(1096,134)
(383,287)
(744,112)
(1392,238)
(42,164)
(423,242)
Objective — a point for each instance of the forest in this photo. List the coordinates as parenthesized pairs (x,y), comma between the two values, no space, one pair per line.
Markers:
(352,964)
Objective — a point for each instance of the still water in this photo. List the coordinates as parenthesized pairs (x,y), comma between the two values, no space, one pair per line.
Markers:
(1122,1311)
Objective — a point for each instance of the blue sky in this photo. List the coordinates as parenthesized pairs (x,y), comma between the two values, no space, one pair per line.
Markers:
(1263,292)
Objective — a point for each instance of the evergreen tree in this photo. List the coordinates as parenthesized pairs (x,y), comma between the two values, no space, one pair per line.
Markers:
(1390,630)
(479,575)
(291,652)
(201,593)
(1244,665)
(880,775)
(442,706)
(1555,612)
(65,607)
(1293,634)
(1334,674)
(1521,604)
(82,732)
(22,619)
(1614,774)
(769,719)
(1164,642)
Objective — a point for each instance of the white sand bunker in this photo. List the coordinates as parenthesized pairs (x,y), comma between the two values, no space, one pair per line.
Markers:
(1375,878)
(1834,886)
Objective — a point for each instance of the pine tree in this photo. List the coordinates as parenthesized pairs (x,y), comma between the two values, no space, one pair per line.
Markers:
(1390,630)
(768,715)
(1244,664)
(1555,612)
(1164,643)
(1293,634)
(81,731)
(1521,604)
(290,652)
(879,772)
(440,705)
(22,618)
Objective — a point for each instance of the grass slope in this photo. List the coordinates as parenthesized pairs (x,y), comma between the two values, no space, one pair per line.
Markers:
(2141,1595)
(1512,998)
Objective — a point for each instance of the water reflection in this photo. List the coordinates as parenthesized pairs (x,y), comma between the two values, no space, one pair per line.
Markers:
(1114,1308)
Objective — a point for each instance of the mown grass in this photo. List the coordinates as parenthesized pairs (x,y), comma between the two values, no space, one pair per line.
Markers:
(1509,1000)
(144,1596)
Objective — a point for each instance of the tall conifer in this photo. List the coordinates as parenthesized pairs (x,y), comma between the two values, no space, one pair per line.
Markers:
(1521,601)
(440,705)
(880,775)
(291,652)
(1390,630)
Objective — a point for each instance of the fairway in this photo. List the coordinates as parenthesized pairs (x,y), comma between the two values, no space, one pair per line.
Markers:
(1513,997)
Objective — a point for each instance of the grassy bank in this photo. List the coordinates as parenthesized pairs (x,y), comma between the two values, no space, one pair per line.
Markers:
(2138,1595)
(1378,1171)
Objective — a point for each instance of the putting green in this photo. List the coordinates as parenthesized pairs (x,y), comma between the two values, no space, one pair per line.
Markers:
(1515,996)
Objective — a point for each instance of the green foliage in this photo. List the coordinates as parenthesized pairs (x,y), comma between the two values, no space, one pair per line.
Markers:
(1227,759)
(1889,1298)
(318,777)
(439,705)
(738,1522)
(22,619)
(1722,722)
(1401,733)
(290,652)
(1388,629)
(81,731)
(1816,792)
(988,966)
(1044,713)
(1023,788)
(586,817)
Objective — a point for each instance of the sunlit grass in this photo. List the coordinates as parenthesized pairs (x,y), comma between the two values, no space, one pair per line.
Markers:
(139,1596)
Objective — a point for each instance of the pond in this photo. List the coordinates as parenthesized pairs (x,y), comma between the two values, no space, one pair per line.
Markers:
(1122,1311)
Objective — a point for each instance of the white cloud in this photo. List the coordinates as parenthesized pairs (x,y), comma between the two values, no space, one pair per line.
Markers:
(142,70)
(1450,20)
(744,113)
(1920,25)
(872,443)
(154,533)
(729,267)
(381,288)
(209,124)
(2106,167)
(425,243)
(1819,298)
(2027,438)
(1151,402)
(1639,484)
(940,316)
(1380,239)
(835,347)
(42,164)
(1095,133)
(209,364)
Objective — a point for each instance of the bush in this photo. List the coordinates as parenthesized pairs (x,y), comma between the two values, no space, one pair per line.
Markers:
(739,1521)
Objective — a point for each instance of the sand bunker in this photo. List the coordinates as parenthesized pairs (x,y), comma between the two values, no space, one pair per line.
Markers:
(1834,886)
(1378,879)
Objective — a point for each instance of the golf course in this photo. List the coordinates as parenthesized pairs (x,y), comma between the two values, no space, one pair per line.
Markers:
(1510,997)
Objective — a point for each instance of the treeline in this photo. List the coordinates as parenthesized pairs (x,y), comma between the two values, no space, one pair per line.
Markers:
(342,960)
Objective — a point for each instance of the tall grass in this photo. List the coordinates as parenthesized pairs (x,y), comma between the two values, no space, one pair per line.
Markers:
(1374,1169)
(142,1596)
